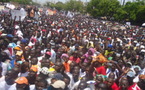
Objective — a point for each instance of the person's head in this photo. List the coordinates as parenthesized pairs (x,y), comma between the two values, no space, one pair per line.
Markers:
(53,80)
(38,78)
(21,83)
(24,67)
(66,80)
(84,79)
(142,65)
(33,72)
(124,84)
(32,53)
(141,82)
(65,57)
(58,66)
(112,75)
(77,68)
(91,51)
(102,86)
(48,54)
(75,54)
(82,86)
(16,71)
(34,61)
(75,74)
(84,66)
(99,79)
(48,46)
(45,62)
(42,84)
(9,75)
(110,82)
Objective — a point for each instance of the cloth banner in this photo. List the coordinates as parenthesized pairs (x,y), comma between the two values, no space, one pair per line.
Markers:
(18,13)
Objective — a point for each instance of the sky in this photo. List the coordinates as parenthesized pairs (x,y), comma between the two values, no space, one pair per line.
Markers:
(44,1)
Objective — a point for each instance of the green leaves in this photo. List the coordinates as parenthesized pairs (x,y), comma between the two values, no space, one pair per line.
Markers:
(102,7)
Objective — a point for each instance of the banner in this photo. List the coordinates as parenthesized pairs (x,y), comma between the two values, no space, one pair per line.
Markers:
(6,11)
(18,13)
(50,12)
(1,7)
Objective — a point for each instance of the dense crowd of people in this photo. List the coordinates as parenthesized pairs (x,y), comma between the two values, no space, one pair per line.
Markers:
(60,53)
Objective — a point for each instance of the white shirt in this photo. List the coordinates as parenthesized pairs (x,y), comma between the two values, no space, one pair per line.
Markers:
(4,68)
(5,86)
(32,87)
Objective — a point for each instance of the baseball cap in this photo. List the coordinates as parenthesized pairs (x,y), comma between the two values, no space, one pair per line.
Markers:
(22,80)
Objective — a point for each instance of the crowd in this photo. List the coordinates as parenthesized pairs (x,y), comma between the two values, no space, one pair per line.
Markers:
(60,53)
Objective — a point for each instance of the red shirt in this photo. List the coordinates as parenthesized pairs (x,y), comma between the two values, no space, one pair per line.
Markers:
(114,87)
(77,60)
(134,87)
(101,70)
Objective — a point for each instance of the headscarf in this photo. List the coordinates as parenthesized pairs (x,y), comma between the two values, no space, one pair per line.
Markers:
(64,55)
(87,54)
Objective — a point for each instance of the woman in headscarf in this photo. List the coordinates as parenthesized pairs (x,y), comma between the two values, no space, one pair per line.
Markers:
(66,62)
(90,53)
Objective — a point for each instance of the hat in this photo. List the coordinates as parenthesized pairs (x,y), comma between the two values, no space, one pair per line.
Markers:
(142,46)
(58,76)
(143,51)
(3,34)
(35,69)
(22,80)
(24,41)
(131,74)
(19,53)
(129,63)
(43,30)
(45,70)
(17,27)
(110,46)
(141,76)
(64,55)
(48,53)
(59,84)
(17,48)
(10,35)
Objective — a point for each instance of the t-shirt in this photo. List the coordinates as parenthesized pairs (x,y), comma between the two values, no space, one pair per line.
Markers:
(101,70)
(5,86)
(67,66)
(77,60)
(32,87)
(134,87)
(114,87)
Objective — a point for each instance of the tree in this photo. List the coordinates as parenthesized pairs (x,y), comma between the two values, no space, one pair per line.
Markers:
(99,8)
(22,1)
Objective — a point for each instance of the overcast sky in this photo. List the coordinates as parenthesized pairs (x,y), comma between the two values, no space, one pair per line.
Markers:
(44,1)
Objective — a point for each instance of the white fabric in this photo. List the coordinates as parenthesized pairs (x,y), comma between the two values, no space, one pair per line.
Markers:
(4,68)
(32,87)
(5,86)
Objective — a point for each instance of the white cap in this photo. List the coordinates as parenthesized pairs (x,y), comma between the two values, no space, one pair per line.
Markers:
(17,27)
(142,46)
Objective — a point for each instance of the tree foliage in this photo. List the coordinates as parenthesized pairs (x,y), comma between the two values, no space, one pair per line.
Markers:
(71,5)
(132,11)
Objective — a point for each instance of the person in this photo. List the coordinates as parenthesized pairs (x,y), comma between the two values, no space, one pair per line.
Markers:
(111,84)
(57,85)
(101,86)
(9,81)
(22,84)
(75,57)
